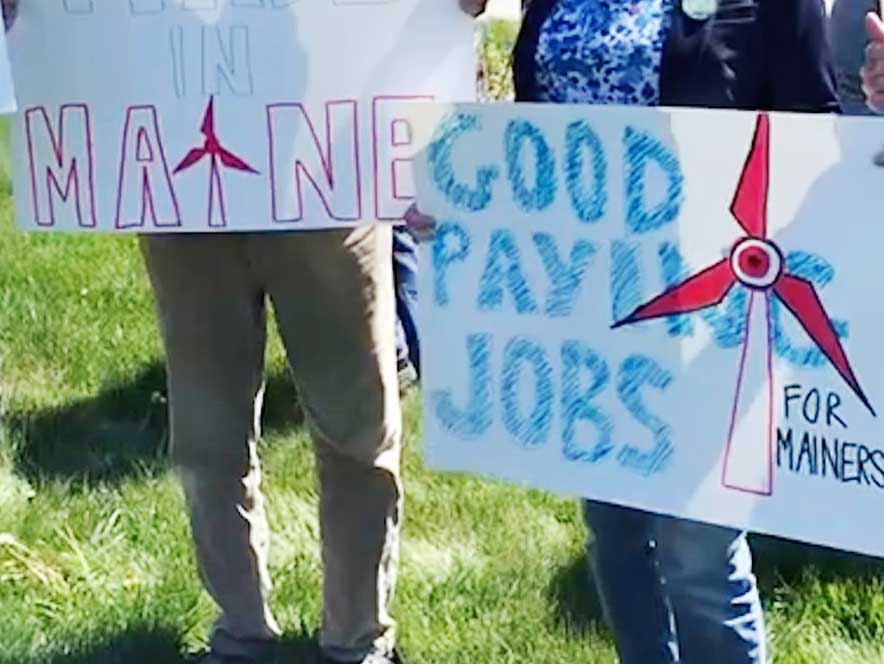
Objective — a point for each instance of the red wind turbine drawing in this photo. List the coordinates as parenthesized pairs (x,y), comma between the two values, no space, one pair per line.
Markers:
(218,156)
(758,264)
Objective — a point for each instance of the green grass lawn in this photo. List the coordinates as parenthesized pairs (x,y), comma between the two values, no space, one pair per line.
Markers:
(95,560)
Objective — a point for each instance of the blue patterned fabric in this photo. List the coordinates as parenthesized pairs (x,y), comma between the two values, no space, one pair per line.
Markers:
(603,51)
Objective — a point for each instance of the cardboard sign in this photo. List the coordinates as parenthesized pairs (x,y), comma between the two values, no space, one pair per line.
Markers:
(226,115)
(678,311)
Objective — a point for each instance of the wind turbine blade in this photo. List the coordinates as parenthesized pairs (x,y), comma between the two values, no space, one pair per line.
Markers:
(749,206)
(208,126)
(230,160)
(190,159)
(705,289)
(802,300)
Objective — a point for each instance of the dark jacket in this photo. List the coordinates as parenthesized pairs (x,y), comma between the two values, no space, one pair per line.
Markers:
(752,55)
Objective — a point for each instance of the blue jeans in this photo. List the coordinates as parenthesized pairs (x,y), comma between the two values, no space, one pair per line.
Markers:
(675,590)
(405,275)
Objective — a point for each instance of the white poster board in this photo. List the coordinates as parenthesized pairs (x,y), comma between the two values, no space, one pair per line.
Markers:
(226,115)
(678,311)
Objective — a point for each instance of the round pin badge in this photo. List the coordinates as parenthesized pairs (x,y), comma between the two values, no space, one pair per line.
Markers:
(699,10)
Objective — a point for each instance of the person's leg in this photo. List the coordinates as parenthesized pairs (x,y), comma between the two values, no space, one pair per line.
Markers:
(333,295)
(405,265)
(708,575)
(629,584)
(212,319)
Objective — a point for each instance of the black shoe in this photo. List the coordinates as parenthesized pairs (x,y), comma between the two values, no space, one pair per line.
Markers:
(371,658)
(261,651)
(218,658)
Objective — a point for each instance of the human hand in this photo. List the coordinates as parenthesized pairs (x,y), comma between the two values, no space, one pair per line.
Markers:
(872,73)
(421,226)
(473,7)
(10,9)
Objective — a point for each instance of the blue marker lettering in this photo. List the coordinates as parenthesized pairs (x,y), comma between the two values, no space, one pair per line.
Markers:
(476,418)
(444,255)
(441,169)
(542,194)
(641,149)
(503,268)
(819,272)
(674,272)
(626,279)
(564,278)
(533,430)
(635,372)
(589,205)
(577,403)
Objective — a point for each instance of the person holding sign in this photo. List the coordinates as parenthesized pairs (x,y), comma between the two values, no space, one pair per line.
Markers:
(674,590)
(405,267)
(332,292)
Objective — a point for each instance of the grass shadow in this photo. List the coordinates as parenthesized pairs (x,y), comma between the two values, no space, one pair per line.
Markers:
(119,433)
(158,646)
(136,646)
(778,562)
(573,594)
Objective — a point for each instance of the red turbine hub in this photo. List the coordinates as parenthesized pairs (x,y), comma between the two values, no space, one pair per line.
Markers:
(756,263)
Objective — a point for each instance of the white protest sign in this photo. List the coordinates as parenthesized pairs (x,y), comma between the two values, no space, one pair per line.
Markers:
(226,115)
(678,311)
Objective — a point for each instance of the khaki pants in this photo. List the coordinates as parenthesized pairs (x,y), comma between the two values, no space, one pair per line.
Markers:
(332,292)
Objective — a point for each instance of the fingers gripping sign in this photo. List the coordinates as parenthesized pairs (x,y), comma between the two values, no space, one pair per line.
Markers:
(421,226)
(873,72)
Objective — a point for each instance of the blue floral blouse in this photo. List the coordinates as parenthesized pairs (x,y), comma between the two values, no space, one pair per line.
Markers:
(603,51)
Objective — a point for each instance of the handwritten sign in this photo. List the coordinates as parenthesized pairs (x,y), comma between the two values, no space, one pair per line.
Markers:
(678,311)
(226,115)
